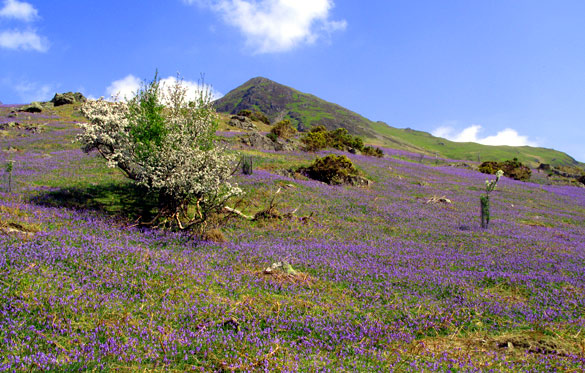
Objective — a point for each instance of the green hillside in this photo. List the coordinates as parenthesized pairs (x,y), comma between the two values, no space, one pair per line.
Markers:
(279,102)
(427,143)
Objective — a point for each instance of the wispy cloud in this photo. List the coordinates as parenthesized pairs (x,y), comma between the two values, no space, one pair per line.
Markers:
(23,40)
(272,26)
(30,91)
(19,10)
(128,86)
(507,136)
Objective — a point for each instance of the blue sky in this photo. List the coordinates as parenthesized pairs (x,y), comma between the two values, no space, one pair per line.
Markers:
(492,71)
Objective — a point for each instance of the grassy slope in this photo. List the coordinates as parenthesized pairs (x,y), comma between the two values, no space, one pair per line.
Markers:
(425,142)
(387,282)
(279,101)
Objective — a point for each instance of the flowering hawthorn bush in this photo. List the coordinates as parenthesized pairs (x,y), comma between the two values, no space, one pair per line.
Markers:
(165,142)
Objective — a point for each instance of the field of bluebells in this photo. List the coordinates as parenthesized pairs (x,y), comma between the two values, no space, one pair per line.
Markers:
(385,280)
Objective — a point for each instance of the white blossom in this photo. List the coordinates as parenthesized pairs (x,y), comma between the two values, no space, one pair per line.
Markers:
(183,163)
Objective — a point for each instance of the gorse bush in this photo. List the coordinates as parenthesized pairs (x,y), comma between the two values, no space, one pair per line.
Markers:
(372,151)
(316,139)
(513,169)
(331,169)
(165,143)
(255,115)
(319,138)
(283,129)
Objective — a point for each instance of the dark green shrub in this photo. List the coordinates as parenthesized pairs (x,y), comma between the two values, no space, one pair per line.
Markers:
(318,129)
(489,167)
(314,141)
(357,143)
(272,136)
(372,151)
(245,113)
(260,117)
(331,169)
(340,139)
(319,138)
(284,129)
(513,169)
(256,115)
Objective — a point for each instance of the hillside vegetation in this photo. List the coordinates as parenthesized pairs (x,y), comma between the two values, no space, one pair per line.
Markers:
(304,110)
(396,276)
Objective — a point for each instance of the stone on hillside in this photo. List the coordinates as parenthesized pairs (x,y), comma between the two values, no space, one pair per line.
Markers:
(582,179)
(240,121)
(67,98)
(283,267)
(436,199)
(34,107)
(259,141)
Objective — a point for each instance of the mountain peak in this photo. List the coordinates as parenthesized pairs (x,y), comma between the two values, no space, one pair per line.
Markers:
(280,102)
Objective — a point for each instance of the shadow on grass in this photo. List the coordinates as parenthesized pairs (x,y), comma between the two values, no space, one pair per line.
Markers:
(124,200)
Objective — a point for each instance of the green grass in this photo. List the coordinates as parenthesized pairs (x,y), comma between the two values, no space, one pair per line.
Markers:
(425,142)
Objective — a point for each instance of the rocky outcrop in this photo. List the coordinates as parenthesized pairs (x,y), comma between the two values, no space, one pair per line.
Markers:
(68,98)
(242,122)
(259,141)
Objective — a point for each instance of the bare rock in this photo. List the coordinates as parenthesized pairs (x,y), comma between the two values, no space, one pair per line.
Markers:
(242,122)
(67,98)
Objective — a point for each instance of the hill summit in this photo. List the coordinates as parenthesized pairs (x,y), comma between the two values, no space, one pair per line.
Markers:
(280,102)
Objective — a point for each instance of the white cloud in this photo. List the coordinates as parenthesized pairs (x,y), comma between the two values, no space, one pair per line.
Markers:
(29,92)
(507,136)
(124,88)
(127,87)
(19,10)
(21,39)
(272,26)
(25,40)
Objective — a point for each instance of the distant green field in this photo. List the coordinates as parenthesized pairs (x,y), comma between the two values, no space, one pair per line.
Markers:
(425,142)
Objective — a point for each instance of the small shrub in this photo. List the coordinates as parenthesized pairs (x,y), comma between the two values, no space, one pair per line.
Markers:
(272,136)
(319,138)
(213,235)
(318,129)
(8,168)
(256,115)
(245,113)
(331,169)
(260,117)
(314,141)
(283,129)
(372,151)
(485,199)
(513,169)
(489,167)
